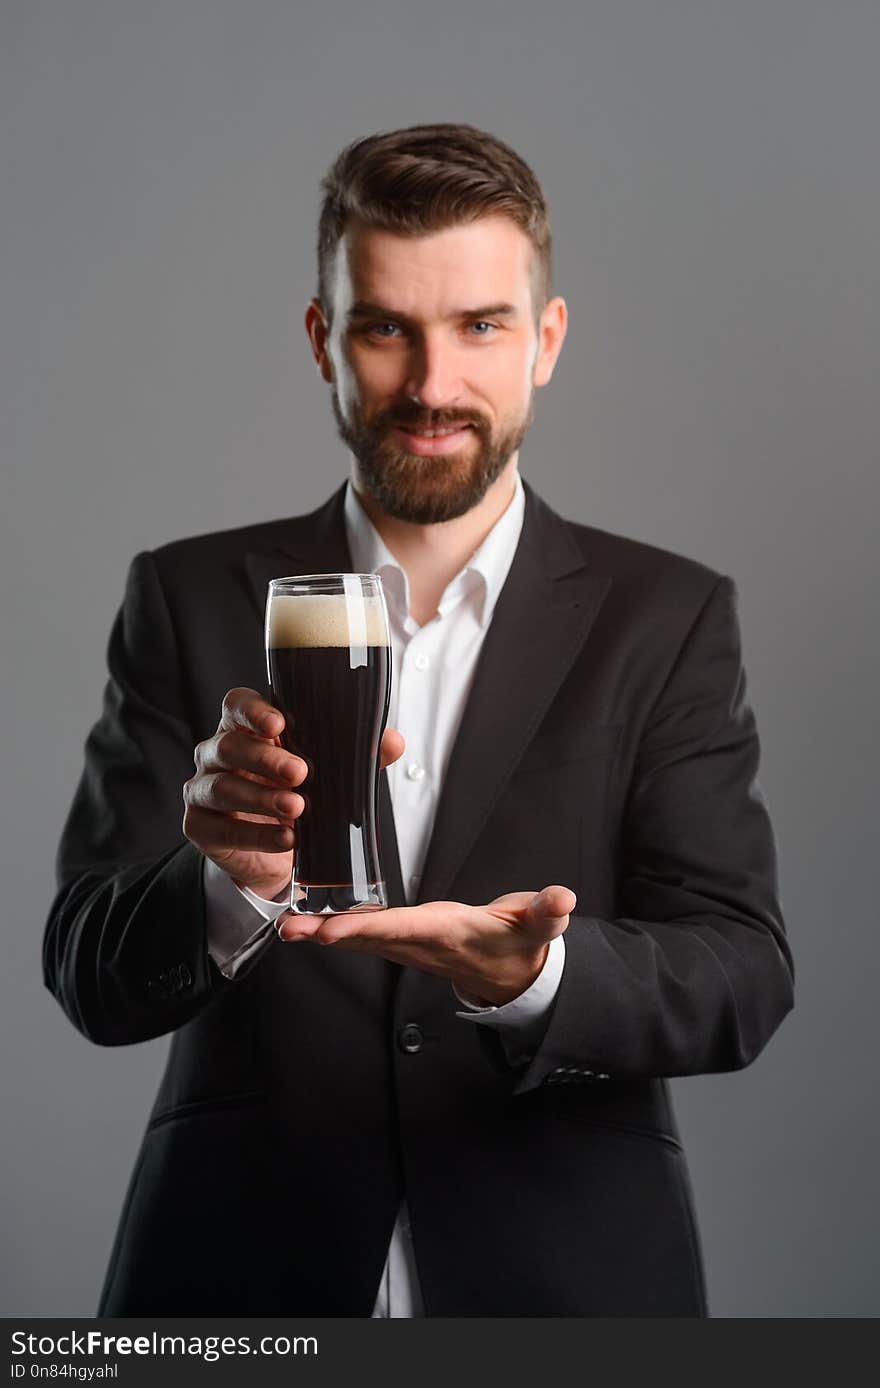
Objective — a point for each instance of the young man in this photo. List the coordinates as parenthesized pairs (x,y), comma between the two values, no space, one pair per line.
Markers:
(457,1106)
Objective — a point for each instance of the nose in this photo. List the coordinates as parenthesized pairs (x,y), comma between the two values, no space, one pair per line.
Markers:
(433,377)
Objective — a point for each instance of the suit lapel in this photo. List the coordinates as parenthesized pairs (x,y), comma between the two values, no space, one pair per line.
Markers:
(303,545)
(310,544)
(542,618)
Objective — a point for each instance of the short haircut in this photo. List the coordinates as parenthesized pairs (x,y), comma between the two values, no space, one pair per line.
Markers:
(425,178)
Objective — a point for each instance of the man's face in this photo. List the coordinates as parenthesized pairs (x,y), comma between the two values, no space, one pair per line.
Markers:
(434,355)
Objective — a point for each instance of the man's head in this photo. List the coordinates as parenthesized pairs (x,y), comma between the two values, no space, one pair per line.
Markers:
(433,312)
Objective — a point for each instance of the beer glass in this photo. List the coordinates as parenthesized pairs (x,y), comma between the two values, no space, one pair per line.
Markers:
(328,651)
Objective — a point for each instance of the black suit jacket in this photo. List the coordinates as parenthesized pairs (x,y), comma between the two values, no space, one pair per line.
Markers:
(607,745)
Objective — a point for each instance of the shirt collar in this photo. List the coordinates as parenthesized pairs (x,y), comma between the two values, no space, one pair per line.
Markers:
(484,573)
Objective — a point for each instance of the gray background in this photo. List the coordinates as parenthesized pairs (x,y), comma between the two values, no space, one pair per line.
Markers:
(712,173)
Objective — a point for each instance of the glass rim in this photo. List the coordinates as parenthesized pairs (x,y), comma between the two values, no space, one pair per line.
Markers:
(321,578)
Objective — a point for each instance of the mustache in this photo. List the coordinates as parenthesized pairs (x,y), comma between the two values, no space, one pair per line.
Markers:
(416,418)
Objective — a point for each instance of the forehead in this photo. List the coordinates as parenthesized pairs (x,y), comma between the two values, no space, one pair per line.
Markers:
(480,262)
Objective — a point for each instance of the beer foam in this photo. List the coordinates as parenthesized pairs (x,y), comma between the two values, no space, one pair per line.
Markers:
(325,619)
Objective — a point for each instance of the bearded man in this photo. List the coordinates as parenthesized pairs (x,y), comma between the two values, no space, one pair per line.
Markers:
(457,1106)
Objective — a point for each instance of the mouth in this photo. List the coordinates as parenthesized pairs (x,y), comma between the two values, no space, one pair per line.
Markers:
(430,442)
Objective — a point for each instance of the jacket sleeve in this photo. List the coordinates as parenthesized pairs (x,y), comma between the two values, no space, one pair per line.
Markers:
(125,949)
(695,973)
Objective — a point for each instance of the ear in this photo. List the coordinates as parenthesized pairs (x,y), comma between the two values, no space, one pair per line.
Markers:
(319,334)
(551,335)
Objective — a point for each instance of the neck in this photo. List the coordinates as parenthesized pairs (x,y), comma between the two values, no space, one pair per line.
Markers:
(431,555)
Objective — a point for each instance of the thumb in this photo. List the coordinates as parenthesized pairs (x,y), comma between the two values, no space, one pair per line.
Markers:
(547,913)
(391,747)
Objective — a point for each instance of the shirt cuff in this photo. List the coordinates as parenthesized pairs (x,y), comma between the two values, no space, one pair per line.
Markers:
(240,925)
(523,1021)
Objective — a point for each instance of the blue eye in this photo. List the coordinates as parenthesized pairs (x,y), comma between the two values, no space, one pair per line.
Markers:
(481,323)
(378,329)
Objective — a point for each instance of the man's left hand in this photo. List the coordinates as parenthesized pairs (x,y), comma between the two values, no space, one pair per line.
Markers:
(490,953)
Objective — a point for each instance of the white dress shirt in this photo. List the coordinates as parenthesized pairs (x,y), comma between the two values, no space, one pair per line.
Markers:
(432,672)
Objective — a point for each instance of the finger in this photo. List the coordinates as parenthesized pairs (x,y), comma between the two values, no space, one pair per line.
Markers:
(230,792)
(547,913)
(511,905)
(234,749)
(246,708)
(414,951)
(431,922)
(558,901)
(372,927)
(391,748)
(295,927)
(214,834)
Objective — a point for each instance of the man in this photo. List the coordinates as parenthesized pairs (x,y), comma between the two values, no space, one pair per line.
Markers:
(458,1106)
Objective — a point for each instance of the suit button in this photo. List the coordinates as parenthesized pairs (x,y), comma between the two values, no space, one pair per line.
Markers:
(410,1038)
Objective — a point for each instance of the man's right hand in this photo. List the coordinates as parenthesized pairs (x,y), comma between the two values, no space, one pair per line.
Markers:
(241,805)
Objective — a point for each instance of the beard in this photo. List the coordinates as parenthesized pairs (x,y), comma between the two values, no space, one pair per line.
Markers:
(426,490)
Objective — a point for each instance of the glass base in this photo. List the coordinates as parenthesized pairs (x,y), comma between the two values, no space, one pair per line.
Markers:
(333,898)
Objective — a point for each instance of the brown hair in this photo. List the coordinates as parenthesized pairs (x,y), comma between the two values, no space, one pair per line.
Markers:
(425,178)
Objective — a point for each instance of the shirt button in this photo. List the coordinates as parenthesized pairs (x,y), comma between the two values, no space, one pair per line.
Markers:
(410,1038)
(415,771)
(421,661)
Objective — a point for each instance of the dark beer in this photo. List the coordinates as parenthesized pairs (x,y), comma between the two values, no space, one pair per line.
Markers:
(330,673)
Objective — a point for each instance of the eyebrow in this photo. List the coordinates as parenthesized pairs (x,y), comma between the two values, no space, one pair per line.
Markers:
(363,309)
